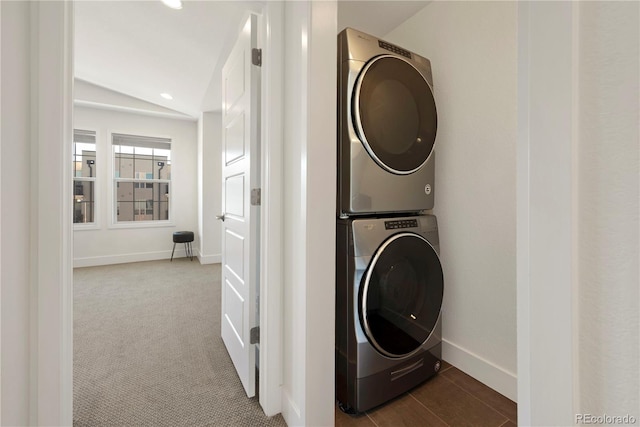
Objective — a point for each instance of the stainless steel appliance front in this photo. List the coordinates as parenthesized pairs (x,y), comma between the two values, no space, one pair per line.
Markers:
(388,308)
(387,128)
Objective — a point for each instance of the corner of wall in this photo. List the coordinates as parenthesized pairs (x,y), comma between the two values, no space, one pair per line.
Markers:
(468,42)
(200,182)
(499,379)
(290,411)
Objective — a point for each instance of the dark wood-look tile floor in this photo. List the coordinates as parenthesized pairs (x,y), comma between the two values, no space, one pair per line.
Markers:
(451,398)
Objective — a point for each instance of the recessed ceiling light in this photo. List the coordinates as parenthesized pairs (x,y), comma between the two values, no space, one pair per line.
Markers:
(173,4)
(166,96)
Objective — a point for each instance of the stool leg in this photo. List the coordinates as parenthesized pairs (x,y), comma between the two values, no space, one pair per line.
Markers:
(191,250)
(187,250)
(174,249)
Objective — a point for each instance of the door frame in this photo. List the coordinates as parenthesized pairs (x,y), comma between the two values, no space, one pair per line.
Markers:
(52,361)
(51,250)
(271,37)
(547,214)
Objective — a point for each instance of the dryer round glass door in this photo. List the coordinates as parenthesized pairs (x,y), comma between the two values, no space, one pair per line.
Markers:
(401,296)
(394,114)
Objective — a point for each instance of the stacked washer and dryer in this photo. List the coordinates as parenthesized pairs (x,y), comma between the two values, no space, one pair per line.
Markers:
(389,281)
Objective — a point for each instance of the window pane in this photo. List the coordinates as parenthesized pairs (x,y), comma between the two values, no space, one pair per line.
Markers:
(162,167)
(125,211)
(142,201)
(123,166)
(155,196)
(123,149)
(125,192)
(163,210)
(143,151)
(89,165)
(143,193)
(140,211)
(164,191)
(84,159)
(162,154)
(83,201)
(143,167)
(79,147)
(77,166)
(161,201)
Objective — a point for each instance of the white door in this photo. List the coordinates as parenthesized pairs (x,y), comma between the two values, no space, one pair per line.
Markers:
(240,219)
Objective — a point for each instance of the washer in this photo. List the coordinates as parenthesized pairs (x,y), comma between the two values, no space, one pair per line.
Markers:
(388,308)
(387,124)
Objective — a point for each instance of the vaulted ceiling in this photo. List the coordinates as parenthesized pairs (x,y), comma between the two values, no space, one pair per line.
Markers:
(143,48)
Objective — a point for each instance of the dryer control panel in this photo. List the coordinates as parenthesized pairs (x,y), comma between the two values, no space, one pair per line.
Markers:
(394,49)
(402,223)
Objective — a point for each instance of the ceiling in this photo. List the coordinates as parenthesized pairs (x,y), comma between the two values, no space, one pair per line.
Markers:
(377,18)
(143,48)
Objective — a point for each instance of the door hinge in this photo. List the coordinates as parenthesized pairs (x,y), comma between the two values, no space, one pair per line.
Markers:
(254,335)
(256,56)
(256,197)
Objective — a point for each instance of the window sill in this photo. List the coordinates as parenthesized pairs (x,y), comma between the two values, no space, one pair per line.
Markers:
(85,227)
(142,224)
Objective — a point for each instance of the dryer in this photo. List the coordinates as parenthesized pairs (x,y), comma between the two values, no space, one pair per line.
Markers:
(387,124)
(388,308)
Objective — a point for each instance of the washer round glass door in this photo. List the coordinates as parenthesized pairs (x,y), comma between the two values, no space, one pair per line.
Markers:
(401,296)
(394,114)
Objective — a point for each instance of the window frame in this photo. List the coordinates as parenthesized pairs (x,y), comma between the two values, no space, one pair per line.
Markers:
(113,188)
(95,224)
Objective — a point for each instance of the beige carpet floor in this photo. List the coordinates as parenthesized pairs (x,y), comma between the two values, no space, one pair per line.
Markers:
(148,352)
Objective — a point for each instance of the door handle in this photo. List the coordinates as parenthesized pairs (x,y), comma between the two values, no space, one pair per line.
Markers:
(220,217)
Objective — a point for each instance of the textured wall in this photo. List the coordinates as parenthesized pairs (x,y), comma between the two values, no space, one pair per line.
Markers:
(472,46)
(608,208)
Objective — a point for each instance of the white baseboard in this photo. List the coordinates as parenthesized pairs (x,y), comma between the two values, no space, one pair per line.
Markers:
(209,259)
(499,379)
(125,258)
(290,411)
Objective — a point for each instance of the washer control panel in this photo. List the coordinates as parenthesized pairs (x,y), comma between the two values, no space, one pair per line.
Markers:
(402,223)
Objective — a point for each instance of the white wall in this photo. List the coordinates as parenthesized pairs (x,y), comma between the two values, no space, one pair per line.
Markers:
(16,233)
(108,245)
(608,209)
(309,213)
(209,186)
(578,236)
(473,53)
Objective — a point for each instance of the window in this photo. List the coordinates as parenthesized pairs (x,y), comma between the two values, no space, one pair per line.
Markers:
(142,178)
(84,176)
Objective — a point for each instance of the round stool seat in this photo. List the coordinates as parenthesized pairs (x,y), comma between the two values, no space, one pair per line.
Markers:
(183,236)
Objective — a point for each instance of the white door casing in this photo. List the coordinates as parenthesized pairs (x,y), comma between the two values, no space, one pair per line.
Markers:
(240,219)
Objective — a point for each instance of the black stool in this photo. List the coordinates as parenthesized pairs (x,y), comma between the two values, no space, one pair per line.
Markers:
(185,237)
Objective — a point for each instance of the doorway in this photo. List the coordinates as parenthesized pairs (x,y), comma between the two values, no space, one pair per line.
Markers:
(268,357)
